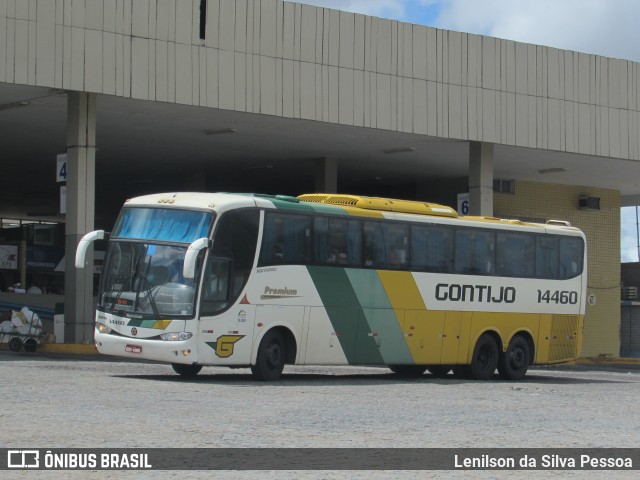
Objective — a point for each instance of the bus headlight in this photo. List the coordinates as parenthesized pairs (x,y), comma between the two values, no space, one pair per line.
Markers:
(176,336)
(102,328)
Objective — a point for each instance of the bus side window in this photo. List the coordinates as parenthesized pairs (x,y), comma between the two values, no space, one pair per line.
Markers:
(571,253)
(230,261)
(418,247)
(286,239)
(514,252)
(374,254)
(336,241)
(546,257)
(396,242)
(475,251)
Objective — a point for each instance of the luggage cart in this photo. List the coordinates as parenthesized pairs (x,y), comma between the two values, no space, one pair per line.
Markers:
(18,339)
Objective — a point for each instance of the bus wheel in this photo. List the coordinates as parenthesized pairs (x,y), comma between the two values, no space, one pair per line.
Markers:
(271,357)
(408,370)
(439,371)
(514,362)
(485,358)
(187,371)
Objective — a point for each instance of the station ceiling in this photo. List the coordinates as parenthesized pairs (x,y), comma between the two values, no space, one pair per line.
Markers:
(145,147)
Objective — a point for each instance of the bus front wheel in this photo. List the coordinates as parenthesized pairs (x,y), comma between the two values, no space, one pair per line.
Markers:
(271,357)
(187,371)
(514,362)
(485,358)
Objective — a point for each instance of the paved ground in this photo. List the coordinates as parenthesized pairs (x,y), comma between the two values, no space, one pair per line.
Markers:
(54,402)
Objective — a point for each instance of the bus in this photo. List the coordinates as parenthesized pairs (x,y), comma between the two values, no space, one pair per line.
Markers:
(264,281)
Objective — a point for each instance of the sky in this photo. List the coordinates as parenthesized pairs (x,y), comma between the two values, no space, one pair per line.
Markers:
(602,27)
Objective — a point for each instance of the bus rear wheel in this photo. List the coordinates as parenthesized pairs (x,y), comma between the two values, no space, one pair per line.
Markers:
(514,363)
(271,357)
(186,371)
(485,358)
(408,370)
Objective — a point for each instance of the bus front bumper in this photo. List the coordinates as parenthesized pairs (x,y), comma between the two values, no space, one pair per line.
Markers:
(183,351)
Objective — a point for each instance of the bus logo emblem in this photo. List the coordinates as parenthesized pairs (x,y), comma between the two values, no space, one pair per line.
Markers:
(134,331)
(223,346)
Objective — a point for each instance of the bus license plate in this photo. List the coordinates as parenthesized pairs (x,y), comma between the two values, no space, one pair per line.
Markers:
(133,349)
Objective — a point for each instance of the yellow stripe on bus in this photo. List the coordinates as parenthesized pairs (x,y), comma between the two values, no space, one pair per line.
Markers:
(161,324)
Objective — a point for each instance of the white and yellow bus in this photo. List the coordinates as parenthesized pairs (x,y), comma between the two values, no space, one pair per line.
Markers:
(260,281)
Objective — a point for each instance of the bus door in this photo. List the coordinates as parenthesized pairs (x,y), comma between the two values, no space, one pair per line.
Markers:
(227,318)
(225,326)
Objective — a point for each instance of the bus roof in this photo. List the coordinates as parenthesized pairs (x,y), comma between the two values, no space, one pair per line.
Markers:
(335,204)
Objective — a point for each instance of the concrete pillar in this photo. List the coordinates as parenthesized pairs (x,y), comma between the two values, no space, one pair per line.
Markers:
(481,179)
(326,175)
(81,158)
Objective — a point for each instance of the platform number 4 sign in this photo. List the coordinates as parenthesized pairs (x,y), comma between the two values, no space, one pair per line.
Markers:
(61,167)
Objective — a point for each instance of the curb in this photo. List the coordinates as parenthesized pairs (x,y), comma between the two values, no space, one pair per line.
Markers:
(607,361)
(63,348)
(69,348)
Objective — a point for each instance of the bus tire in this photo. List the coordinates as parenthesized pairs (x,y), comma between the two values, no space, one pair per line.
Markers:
(514,362)
(485,358)
(271,357)
(186,371)
(439,371)
(408,370)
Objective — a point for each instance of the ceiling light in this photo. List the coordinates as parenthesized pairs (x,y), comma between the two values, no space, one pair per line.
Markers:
(398,150)
(220,130)
(551,170)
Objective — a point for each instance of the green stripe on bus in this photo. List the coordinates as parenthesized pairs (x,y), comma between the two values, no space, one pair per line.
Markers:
(385,327)
(345,314)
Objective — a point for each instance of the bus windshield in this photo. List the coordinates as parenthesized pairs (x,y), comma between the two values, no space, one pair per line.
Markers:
(142,271)
(146,279)
(164,224)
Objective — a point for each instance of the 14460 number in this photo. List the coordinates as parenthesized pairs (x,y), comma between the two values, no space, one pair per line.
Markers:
(559,296)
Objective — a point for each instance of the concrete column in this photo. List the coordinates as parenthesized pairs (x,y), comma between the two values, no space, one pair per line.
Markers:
(81,158)
(481,179)
(326,175)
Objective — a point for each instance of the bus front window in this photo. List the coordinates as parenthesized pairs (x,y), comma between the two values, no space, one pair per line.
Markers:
(146,279)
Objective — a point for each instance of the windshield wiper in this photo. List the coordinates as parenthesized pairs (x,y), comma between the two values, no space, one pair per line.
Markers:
(129,281)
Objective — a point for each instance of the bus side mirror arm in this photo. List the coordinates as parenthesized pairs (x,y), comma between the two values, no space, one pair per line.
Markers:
(190,258)
(83,245)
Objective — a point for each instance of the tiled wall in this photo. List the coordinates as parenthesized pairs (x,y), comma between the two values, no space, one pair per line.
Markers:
(299,61)
(602,229)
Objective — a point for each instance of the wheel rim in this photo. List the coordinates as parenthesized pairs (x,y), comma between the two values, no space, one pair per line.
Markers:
(484,358)
(517,358)
(274,355)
